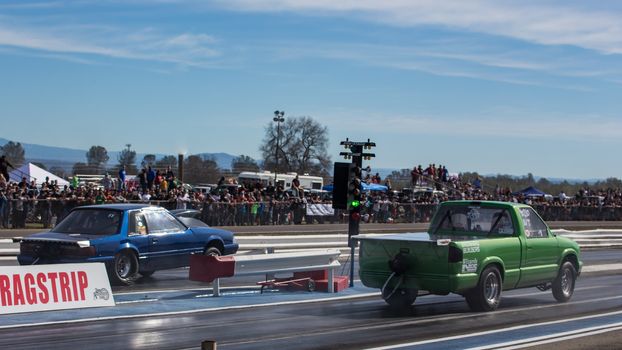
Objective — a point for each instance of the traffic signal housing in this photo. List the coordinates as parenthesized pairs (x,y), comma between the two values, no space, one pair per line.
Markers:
(354,201)
(341,181)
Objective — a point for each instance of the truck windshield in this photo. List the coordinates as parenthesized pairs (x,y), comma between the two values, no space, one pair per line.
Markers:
(473,220)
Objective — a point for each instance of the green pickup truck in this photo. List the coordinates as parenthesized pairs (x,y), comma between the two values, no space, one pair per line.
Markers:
(472,248)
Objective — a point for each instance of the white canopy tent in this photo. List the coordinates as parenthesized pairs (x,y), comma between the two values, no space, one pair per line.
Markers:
(33,172)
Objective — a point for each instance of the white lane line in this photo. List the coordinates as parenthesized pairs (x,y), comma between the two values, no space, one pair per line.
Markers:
(469,335)
(556,338)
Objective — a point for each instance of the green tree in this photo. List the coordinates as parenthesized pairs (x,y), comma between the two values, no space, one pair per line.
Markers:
(302,147)
(166,161)
(127,157)
(148,160)
(244,163)
(199,170)
(14,153)
(97,157)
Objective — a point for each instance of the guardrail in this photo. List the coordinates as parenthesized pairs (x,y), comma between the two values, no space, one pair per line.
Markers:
(211,268)
(587,239)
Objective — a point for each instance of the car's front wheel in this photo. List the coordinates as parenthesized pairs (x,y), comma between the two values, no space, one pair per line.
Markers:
(124,270)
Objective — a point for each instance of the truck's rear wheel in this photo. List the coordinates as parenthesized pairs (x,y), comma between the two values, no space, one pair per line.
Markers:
(487,294)
(401,297)
(563,284)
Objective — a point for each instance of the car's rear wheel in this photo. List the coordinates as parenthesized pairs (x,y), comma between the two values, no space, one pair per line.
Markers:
(124,270)
(400,298)
(563,284)
(486,296)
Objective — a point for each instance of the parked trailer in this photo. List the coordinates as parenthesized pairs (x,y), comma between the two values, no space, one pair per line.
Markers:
(308,182)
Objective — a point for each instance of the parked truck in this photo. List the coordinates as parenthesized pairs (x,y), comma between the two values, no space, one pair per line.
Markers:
(475,249)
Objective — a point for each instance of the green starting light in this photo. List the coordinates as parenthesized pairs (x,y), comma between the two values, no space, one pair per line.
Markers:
(355,204)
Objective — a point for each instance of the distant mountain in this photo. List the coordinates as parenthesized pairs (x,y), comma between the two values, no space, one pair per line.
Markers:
(65,158)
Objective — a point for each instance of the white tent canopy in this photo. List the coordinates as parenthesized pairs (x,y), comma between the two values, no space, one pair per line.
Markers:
(33,172)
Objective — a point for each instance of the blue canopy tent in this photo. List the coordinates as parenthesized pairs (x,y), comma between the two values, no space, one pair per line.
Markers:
(364,187)
(531,192)
(374,187)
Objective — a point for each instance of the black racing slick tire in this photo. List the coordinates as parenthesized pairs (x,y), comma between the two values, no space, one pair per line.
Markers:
(400,298)
(213,251)
(124,269)
(563,284)
(486,296)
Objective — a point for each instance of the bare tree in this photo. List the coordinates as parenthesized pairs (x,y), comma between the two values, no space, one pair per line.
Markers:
(303,144)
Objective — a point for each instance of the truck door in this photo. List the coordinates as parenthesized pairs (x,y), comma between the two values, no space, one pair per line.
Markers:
(540,247)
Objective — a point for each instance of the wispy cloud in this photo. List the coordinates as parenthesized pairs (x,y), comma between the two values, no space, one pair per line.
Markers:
(87,42)
(506,124)
(543,22)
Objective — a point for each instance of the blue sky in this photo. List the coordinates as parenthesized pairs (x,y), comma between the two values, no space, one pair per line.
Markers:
(511,87)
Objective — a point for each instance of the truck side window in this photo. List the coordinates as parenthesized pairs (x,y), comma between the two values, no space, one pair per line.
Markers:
(502,224)
(534,226)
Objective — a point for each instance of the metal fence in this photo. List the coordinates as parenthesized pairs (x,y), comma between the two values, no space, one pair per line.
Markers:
(16,213)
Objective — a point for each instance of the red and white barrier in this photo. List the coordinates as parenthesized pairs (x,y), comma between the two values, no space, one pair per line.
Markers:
(210,268)
(53,287)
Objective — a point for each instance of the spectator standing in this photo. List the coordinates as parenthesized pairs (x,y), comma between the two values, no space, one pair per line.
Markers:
(107,182)
(142,179)
(4,167)
(151,175)
(170,176)
(122,175)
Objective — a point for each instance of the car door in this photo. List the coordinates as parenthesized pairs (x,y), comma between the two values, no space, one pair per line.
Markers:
(171,242)
(541,252)
(137,235)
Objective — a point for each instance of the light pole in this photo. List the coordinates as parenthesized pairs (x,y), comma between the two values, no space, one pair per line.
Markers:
(278,118)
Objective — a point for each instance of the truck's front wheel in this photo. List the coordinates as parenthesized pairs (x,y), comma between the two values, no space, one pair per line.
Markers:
(563,284)
(487,294)
(400,298)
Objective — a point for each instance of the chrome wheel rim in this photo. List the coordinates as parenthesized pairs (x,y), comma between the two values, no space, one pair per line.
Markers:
(566,281)
(491,288)
(123,266)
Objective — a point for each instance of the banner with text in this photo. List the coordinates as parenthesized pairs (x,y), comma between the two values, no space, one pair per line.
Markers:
(320,210)
(53,287)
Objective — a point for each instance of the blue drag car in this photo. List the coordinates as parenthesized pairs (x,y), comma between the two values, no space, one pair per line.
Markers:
(131,239)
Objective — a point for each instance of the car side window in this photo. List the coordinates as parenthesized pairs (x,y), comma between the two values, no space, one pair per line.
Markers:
(161,221)
(534,226)
(137,225)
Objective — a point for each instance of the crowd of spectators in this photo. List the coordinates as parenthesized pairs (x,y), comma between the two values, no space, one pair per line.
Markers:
(255,204)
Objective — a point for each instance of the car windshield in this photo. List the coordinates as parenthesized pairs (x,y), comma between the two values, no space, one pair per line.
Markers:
(474,220)
(91,222)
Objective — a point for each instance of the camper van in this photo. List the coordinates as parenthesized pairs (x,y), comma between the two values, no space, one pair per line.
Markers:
(306,181)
